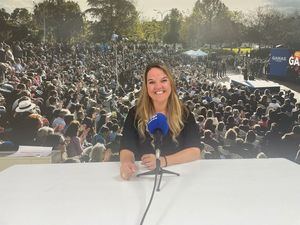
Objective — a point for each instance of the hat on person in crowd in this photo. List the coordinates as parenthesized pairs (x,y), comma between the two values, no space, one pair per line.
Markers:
(25,106)
(7,88)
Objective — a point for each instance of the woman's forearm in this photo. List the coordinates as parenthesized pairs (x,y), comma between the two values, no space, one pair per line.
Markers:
(126,156)
(184,156)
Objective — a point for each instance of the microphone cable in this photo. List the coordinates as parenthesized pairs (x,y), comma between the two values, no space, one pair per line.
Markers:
(151,198)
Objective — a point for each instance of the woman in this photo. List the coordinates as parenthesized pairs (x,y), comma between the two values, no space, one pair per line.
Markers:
(180,145)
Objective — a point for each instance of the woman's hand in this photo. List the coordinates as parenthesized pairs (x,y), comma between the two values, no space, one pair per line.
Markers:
(149,160)
(127,170)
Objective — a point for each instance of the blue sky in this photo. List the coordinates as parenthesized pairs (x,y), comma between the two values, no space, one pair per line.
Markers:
(146,7)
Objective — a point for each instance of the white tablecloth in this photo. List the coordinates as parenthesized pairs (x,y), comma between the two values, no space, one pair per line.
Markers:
(208,192)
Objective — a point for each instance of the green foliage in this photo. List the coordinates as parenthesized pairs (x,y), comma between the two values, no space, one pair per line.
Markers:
(60,20)
(21,16)
(6,26)
(172,24)
(293,32)
(112,16)
(211,24)
(268,27)
(150,31)
(209,19)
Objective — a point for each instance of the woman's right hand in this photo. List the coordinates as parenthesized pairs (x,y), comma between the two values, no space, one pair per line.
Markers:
(127,170)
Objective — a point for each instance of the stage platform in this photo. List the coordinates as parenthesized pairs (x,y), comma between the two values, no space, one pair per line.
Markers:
(238,80)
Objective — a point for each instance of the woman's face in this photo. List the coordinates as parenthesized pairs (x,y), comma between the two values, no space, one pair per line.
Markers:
(158,86)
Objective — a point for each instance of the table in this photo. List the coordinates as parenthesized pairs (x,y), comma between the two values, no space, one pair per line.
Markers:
(7,159)
(208,192)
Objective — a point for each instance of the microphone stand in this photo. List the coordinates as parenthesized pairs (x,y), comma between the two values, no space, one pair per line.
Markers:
(158,170)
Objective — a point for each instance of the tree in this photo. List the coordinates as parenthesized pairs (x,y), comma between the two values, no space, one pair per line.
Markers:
(151,31)
(203,26)
(60,20)
(227,29)
(112,16)
(5,31)
(292,31)
(209,11)
(190,32)
(22,24)
(268,27)
(172,27)
(21,16)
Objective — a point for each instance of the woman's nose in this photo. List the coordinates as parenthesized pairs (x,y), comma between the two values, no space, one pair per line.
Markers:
(158,85)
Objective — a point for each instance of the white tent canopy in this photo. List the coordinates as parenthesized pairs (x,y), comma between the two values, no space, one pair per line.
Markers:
(198,53)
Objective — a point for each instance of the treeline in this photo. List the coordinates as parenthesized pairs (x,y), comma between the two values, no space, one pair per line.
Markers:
(210,23)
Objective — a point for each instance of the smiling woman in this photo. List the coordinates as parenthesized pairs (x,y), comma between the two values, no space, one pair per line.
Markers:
(180,145)
(159,89)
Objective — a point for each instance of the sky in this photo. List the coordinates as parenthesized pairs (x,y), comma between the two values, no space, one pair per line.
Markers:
(155,8)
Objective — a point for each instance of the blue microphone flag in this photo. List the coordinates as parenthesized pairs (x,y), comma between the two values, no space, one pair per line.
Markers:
(158,122)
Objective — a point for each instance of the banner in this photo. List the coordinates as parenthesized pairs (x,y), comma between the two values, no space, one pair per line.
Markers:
(279,62)
(294,65)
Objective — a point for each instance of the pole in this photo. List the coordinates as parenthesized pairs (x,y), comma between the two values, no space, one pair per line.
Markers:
(117,78)
(44,22)
(44,38)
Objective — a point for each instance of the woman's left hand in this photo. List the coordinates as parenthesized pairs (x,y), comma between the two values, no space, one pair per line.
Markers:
(149,160)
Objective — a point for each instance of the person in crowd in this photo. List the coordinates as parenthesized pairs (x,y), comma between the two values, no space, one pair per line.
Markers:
(158,95)
(58,144)
(114,148)
(272,144)
(74,147)
(101,136)
(42,135)
(231,142)
(96,153)
(59,123)
(250,146)
(26,123)
(290,143)
(220,132)
(210,140)
(86,131)
(209,125)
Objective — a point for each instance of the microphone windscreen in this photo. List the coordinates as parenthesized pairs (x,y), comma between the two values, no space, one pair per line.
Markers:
(158,122)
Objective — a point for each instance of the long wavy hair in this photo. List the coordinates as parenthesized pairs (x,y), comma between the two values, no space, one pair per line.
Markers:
(176,111)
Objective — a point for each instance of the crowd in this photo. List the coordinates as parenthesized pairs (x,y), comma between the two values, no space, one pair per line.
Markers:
(75,99)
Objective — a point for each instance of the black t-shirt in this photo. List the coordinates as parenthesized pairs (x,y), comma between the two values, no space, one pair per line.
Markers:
(131,140)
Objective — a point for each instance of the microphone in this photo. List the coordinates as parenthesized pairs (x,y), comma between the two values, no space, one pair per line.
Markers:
(158,127)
